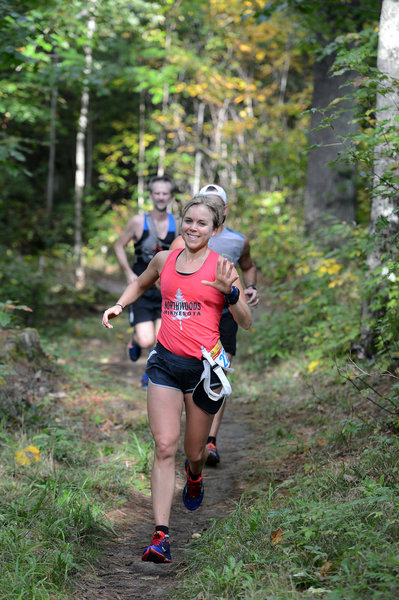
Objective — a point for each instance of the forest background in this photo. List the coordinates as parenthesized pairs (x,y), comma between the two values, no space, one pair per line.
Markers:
(291,106)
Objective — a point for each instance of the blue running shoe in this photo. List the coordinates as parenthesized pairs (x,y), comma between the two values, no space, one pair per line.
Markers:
(159,549)
(193,492)
(144,381)
(213,455)
(134,351)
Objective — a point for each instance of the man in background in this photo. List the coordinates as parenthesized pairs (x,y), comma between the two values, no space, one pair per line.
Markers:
(150,232)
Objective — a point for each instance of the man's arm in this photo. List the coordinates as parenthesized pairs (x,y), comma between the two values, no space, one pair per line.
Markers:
(248,269)
(131,231)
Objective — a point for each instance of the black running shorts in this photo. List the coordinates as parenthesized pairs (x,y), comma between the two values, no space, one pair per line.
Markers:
(169,370)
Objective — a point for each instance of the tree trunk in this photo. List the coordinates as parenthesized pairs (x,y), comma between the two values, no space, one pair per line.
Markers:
(140,170)
(80,152)
(162,134)
(89,154)
(330,189)
(51,158)
(165,101)
(385,199)
(198,150)
(219,118)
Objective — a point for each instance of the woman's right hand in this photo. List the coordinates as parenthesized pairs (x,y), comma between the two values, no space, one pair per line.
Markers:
(111,313)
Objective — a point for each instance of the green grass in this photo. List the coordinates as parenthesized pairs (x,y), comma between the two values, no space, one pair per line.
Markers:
(337,505)
(339,541)
(53,500)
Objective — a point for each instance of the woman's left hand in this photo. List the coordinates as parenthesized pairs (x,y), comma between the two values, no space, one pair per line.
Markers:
(111,313)
(226,275)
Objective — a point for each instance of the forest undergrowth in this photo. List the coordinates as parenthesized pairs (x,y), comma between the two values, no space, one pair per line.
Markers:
(319,517)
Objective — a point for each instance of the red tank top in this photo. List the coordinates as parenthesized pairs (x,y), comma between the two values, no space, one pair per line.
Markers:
(190,310)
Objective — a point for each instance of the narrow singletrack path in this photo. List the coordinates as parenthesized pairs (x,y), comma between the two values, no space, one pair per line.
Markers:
(120,574)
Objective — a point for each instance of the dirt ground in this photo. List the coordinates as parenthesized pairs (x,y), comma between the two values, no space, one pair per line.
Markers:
(120,574)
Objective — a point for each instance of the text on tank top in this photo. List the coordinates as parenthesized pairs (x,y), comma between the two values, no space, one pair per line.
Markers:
(190,310)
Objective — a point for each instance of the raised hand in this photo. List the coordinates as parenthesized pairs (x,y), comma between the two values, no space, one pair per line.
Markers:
(226,275)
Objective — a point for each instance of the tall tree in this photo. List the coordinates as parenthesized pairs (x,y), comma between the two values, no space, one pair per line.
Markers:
(80,168)
(52,146)
(384,221)
(331,185)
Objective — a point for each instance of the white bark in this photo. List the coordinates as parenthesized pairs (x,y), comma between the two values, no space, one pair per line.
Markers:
(165,102)
(198,151)
(140,170)
(385,199)
(80,150)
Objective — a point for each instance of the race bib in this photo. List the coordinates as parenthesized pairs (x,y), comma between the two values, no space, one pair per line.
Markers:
(219,356)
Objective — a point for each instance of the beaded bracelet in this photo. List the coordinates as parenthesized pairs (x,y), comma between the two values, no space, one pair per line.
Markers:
(117,304)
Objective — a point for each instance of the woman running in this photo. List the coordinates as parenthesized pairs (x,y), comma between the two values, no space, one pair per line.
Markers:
(196,283)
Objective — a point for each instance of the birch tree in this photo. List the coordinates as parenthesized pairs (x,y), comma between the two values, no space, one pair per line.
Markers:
(80,148)
(384,222)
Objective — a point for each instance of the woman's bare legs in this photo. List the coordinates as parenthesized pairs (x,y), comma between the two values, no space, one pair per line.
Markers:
(198,424)
(165,408)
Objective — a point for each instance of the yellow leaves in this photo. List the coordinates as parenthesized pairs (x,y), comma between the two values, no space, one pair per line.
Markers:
(27,456)
(276,536)
(196,89)
(245,48)
(239,98)
(180,87)
(336,282)
(312,365)
(329,266)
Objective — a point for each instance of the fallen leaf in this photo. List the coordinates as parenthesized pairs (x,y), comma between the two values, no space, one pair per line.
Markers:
(26,456)
(325,567)
(276,536)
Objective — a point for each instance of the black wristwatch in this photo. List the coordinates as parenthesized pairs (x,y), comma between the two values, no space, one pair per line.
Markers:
(252,285)
(233,296)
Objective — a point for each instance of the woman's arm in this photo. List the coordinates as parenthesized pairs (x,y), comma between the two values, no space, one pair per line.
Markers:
(137,288)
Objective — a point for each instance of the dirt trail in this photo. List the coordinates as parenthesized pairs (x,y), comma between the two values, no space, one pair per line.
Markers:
(121,574)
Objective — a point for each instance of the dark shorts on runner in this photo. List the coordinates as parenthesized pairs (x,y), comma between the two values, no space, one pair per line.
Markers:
(147,308)
(228,332)
(166,369)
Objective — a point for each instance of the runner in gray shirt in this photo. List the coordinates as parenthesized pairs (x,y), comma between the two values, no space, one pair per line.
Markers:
(234,246)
